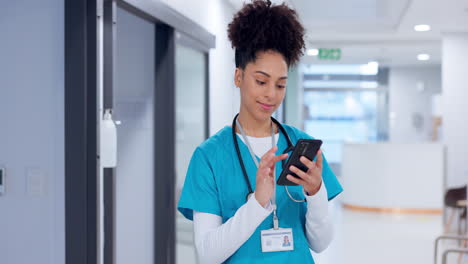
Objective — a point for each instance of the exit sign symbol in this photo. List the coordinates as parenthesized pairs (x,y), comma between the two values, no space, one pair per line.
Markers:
(329,54)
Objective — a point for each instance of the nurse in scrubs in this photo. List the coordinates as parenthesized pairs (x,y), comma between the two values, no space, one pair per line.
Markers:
(231,226)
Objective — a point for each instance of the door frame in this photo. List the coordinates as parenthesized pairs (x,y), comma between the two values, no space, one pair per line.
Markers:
(81,158)
(82,118)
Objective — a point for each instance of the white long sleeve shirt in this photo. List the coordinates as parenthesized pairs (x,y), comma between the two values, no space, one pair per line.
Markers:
(215,242)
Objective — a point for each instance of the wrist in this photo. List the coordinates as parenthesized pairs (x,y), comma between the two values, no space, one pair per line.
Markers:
(313,190)
(262,202)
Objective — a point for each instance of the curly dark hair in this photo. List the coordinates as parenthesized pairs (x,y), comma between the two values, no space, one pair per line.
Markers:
(259,26)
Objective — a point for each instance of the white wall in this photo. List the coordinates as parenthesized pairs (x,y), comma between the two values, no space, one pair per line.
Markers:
(32,215)
(406,102)
(214,16)
(454,109)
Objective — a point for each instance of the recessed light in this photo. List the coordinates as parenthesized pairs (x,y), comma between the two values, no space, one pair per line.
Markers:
(312,52)
(371,68)
(374,64)
(423,57)
(422,28)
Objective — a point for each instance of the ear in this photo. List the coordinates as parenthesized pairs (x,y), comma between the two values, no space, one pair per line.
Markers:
(238,77)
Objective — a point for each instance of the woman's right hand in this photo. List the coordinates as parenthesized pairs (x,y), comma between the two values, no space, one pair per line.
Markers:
(265,181)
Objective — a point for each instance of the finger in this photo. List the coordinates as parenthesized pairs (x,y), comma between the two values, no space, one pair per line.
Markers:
(319,159)
(269,154)
(279,157)
(270,172)
(270,162)
(295,180)
(275,159)
(264,172)
(273,150)
(265,160)
(309,164)
(304,176)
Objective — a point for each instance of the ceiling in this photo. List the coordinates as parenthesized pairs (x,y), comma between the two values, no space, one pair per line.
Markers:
(378,30)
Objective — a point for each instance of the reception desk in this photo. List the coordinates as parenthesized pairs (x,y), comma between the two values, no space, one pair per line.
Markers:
(393,177)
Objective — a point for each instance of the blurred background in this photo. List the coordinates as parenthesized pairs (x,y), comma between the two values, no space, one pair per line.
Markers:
(383,83)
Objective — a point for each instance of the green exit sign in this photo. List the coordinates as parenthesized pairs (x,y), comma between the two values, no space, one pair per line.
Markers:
(329,54)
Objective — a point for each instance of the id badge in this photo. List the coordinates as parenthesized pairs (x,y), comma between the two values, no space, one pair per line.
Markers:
(277,240)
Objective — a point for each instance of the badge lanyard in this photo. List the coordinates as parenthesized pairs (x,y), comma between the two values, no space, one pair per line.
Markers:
(273,198)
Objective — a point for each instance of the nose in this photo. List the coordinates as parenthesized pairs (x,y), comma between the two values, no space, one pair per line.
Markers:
(270,91)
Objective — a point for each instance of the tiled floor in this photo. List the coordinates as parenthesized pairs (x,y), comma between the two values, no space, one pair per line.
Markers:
(361,238)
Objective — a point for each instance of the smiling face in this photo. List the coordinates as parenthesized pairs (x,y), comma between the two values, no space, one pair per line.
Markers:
(262,84)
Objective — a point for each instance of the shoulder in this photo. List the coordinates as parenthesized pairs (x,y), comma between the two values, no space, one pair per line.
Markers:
(220,141)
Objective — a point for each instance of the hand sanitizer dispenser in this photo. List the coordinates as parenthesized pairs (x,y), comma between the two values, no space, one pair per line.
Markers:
(108,141)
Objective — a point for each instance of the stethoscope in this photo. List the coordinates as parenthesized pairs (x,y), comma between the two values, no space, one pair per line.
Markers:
(289,148)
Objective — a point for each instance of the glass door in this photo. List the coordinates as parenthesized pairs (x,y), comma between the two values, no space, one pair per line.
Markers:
(133,97)
(191,71)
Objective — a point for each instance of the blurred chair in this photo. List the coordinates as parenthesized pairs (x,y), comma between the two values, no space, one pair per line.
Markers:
(453,250)
(461,251)
(463,218)
(455,199)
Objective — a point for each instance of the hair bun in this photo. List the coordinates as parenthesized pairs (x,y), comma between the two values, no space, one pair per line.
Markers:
(261,26)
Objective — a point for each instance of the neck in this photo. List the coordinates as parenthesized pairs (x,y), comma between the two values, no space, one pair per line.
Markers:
(254,127)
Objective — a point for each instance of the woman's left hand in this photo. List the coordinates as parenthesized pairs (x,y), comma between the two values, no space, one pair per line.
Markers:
(312,179)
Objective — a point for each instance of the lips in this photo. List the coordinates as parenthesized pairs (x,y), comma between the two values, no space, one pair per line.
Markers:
(266,106)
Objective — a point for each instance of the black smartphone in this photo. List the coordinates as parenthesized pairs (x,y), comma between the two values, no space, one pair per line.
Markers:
(304,147)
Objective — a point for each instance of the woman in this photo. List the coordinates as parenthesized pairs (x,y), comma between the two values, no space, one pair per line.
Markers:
(230,225)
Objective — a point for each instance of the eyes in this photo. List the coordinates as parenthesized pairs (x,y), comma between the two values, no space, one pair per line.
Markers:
(261,83)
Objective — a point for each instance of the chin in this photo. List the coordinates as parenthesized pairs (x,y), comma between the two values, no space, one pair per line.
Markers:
(263,115)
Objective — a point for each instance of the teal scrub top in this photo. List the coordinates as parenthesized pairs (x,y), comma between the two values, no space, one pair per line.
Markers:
(215,184)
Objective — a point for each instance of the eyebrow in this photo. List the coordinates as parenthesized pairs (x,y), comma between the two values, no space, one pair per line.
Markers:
(268,75)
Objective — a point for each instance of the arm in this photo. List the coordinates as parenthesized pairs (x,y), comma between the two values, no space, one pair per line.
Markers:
(215,242)
(319,227)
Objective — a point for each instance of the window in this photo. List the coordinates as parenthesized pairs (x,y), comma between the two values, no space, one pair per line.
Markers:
(342,104)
